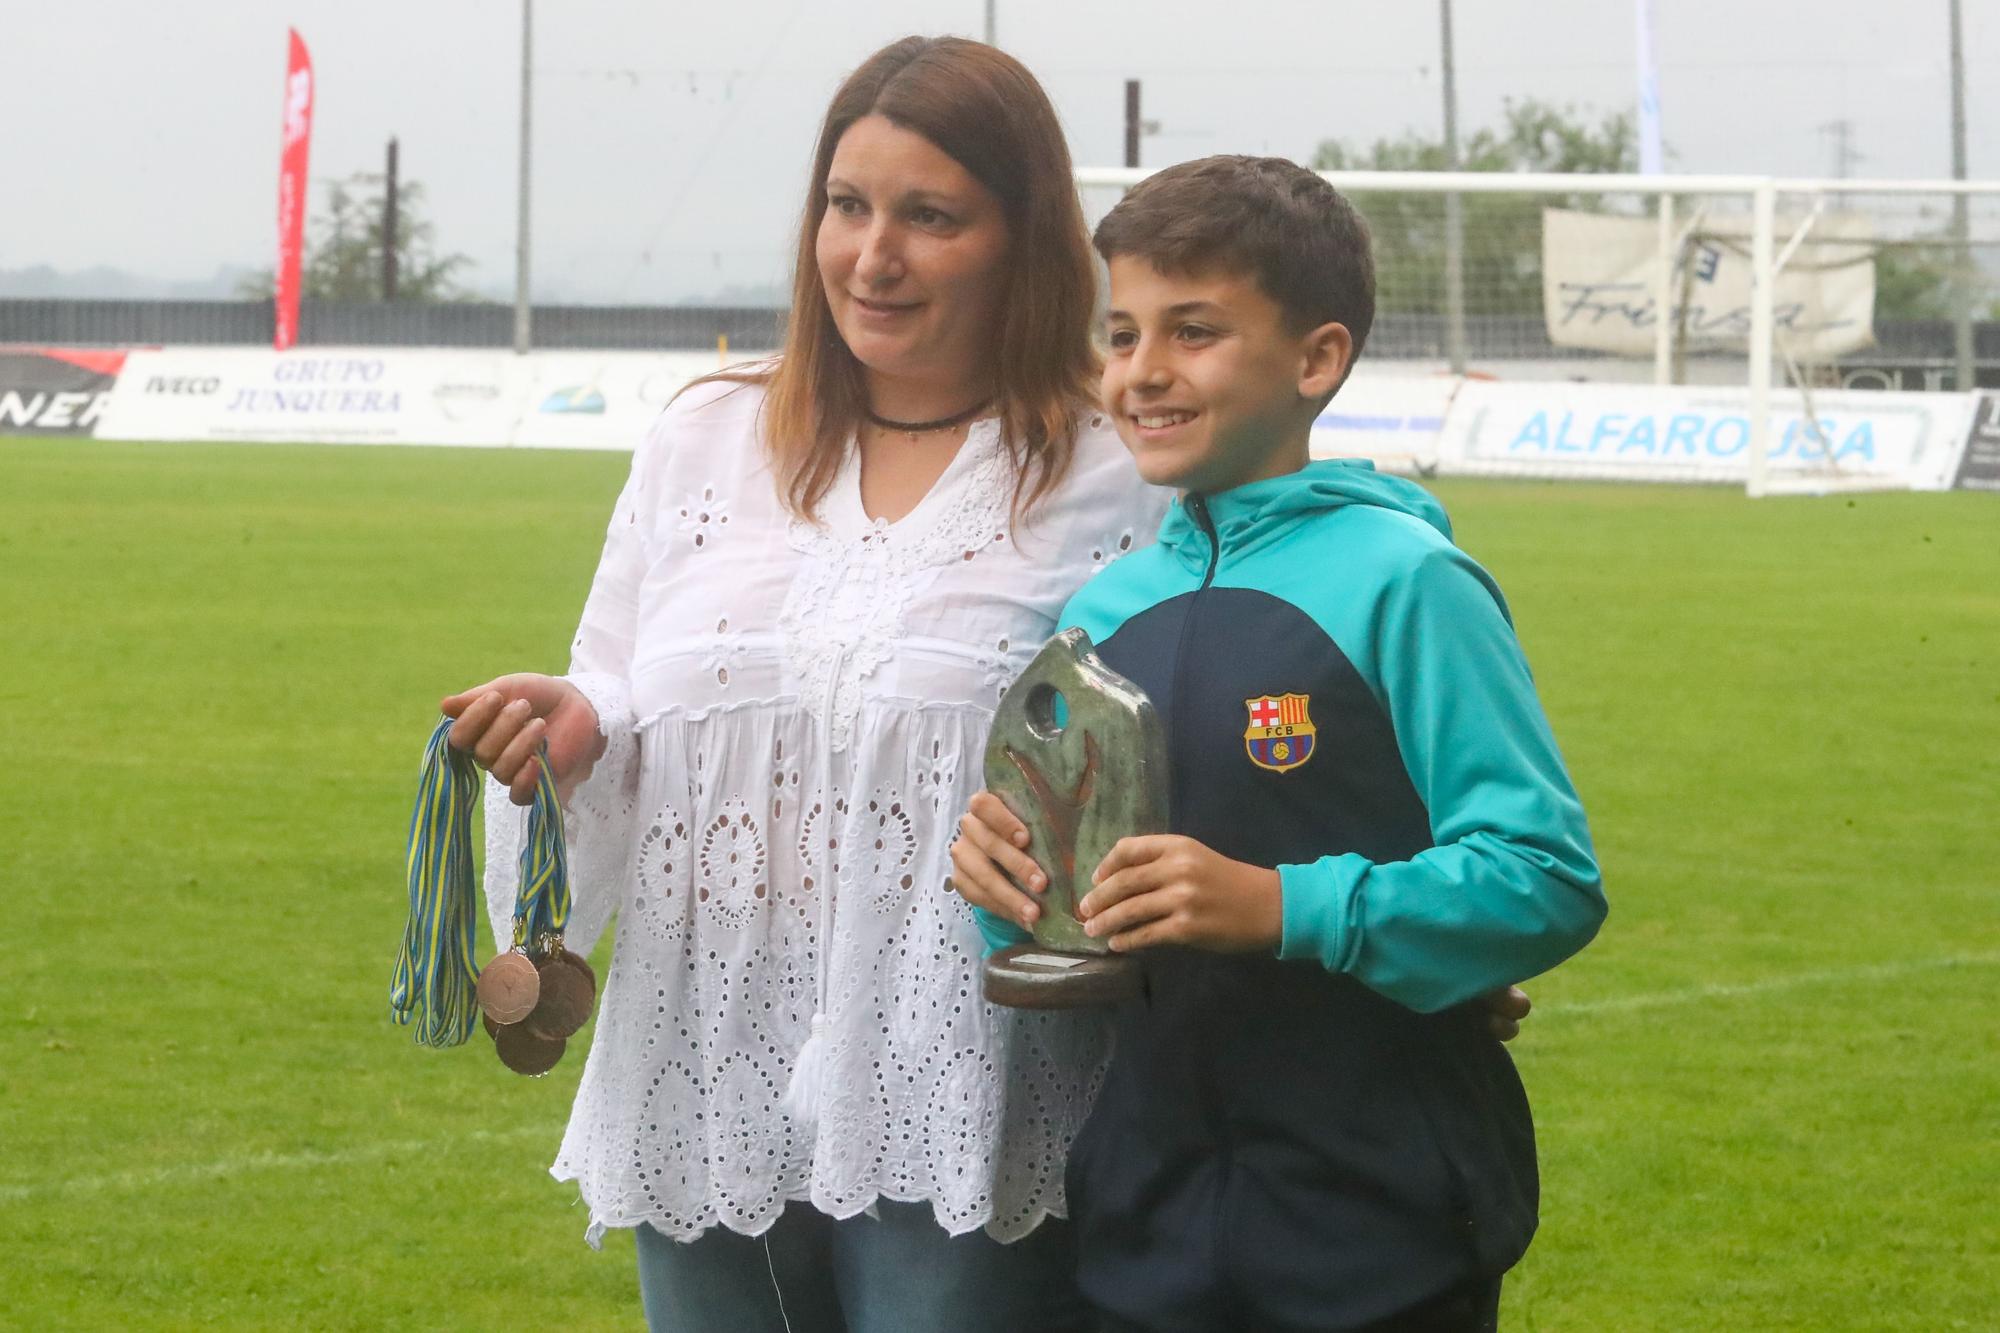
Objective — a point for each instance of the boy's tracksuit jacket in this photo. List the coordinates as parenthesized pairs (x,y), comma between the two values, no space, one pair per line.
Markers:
(1326,1136)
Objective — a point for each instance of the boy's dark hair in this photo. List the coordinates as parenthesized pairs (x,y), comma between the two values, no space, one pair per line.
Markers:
(1298,236)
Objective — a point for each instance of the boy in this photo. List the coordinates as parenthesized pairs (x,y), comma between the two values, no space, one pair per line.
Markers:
(1303,1126)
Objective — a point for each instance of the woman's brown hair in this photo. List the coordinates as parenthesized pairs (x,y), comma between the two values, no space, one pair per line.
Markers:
(984,109)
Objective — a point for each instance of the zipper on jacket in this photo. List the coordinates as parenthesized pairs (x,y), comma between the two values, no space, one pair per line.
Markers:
(1217,1123)
(1197,505)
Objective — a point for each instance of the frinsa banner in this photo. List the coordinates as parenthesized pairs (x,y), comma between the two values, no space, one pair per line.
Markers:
(55,390)
(1601,273)
(1683,433)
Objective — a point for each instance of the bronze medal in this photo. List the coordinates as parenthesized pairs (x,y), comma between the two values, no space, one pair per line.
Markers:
(581,964)
(524,1052)
(566,995)
(508,988)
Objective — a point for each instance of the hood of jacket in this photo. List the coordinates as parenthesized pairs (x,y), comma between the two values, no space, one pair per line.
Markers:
(1249,515)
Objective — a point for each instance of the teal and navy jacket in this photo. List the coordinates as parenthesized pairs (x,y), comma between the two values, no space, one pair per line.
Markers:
(1324,1136)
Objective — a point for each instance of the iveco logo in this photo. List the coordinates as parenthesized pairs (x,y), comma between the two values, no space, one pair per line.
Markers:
(185,385)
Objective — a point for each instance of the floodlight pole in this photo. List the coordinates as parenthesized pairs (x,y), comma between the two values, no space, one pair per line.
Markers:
(522,324)
(390,225)
(1961,227)
(1132,125)
(1454,216)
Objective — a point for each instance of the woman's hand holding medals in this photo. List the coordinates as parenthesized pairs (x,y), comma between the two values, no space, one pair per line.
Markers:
(501,723)
(538,735)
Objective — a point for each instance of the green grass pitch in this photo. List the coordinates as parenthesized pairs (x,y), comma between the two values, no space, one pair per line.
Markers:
(1768,1096)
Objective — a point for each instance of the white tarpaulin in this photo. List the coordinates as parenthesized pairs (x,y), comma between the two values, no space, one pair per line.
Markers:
(1601,273)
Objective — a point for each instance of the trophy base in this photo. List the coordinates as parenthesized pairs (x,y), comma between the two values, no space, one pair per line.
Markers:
(1030,976)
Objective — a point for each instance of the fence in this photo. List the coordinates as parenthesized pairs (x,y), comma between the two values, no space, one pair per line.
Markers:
(384,324)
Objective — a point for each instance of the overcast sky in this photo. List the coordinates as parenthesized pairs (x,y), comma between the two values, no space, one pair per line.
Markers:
(670,138)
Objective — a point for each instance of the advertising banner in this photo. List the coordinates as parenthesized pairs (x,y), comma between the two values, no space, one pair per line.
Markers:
(551,400)
(1600,281)
(1979,465)
(55,390)
(324,395)
(1688,433)
(292,192)
(1394,420)
(605,400)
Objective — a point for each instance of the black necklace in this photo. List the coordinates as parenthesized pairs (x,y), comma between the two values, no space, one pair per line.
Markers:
(914,428)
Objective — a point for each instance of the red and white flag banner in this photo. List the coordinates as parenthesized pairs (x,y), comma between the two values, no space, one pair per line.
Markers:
(292,192)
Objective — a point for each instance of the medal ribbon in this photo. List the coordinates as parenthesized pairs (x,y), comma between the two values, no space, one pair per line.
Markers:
(434,977)
(541,904)
(433,984)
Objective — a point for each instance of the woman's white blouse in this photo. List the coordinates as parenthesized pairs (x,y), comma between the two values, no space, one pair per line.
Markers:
(787,707)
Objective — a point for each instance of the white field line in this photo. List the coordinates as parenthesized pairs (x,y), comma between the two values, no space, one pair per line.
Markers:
(127,1182)
(1769,986)
(224,1168)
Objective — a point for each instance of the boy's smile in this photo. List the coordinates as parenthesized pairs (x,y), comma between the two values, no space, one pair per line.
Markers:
(1209,387)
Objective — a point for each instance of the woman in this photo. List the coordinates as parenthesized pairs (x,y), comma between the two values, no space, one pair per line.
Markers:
(818,580)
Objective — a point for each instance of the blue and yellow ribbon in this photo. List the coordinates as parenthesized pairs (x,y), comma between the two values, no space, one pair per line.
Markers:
(433,985)
(541,905)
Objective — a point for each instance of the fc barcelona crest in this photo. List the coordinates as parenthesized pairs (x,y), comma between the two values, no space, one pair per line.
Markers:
(1281,734)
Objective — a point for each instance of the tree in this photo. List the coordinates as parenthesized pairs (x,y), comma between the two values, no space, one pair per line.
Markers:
(1916,279)
(1503,232)
(344,249)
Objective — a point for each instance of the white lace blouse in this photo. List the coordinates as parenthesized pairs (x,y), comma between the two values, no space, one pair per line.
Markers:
(789,706)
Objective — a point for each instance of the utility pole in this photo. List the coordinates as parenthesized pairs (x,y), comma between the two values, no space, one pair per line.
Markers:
(1454,214)
(522,330)
(389,226)
(1961,226)
(990,40)
(1132,126)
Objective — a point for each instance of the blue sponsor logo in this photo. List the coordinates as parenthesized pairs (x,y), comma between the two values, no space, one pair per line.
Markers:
(576,400)
(1689,435)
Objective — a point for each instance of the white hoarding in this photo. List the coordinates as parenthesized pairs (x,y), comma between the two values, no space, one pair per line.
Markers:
(1392,419)
(600,400)
(396,396)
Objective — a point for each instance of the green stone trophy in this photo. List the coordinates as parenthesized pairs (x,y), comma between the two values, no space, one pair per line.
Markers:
(1078,754)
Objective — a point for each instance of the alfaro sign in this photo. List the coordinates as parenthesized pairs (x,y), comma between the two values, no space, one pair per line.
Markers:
(1699,434)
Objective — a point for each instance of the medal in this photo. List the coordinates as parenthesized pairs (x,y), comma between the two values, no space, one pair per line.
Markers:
(531,998)
(565,998)
(509,988)
(525,1053)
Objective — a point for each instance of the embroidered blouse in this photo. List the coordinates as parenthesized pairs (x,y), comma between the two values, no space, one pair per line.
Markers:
(795,715)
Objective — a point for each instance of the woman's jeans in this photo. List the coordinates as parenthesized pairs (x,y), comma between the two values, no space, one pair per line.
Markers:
(896,1273)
